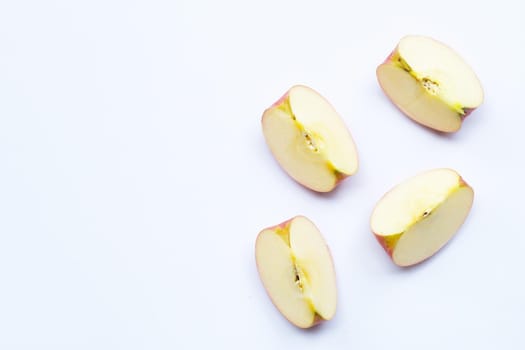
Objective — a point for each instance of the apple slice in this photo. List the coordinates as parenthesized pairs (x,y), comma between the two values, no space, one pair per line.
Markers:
(309,139)
(420,215)
(297,271)
(430,83)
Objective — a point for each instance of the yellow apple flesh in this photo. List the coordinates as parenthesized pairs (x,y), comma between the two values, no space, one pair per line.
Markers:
(296,268)
(430,83)
(419,216)
(309,139)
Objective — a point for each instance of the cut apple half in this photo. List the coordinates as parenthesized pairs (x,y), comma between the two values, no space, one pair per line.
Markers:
(309,139)
(430,83)
(296,269)
(419,216)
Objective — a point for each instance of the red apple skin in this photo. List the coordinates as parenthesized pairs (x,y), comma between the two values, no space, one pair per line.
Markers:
(283,99)
(383,242)
(283,229)
(388,242)
(391,59)
(467,112)
(317,320)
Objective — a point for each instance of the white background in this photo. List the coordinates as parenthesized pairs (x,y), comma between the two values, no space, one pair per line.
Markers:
(134,176)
